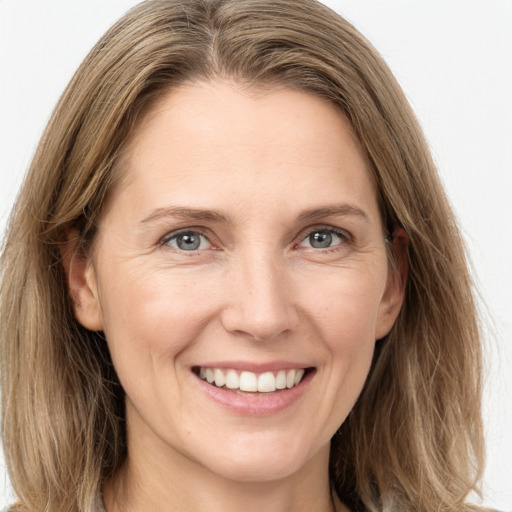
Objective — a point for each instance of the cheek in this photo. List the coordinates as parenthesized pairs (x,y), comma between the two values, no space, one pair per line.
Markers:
(345,306)
(345,316)
(151,317)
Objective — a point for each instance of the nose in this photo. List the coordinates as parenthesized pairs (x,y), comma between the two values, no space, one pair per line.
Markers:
(260,302)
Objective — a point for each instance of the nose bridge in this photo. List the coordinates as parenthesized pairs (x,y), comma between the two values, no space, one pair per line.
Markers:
(259,305)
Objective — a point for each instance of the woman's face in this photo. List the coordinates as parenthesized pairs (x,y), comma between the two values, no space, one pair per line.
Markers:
(244,244)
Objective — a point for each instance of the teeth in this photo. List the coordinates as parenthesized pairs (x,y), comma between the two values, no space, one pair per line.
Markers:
(220,378)
(232,379)
(280,379)
(248,381)
(290,379)
(267,382)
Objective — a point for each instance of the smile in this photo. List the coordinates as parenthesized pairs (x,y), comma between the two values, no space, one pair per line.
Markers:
(267,382)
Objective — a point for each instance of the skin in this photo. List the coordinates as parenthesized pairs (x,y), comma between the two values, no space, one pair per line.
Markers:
(256,290)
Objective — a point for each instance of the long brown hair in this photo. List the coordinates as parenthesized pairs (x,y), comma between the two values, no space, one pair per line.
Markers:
(414,439)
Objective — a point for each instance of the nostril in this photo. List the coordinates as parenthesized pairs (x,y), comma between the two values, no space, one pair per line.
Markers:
(257,326)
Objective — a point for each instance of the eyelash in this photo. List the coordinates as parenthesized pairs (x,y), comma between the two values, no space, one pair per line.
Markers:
(345,239)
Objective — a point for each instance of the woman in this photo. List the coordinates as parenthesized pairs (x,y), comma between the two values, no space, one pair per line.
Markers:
(232,279)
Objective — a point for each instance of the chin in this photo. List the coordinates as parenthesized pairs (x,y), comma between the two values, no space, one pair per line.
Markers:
(256,470)
(260,461)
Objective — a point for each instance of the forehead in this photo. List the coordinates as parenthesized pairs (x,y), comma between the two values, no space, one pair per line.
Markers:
(208,134)
(213,109)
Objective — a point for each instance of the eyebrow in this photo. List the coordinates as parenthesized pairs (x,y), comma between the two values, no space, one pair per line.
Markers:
(333,211)
(185,213)
(219,217)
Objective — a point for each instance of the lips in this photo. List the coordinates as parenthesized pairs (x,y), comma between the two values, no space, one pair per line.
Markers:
(251,382)
(254,389)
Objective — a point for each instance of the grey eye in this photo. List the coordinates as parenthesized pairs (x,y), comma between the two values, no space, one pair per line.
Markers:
(322,239)
(188,241)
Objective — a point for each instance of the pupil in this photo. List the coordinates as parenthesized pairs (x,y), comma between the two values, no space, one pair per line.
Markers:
(188,242)
(320,239)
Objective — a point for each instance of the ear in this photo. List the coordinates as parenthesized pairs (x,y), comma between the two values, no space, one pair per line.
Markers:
(81,282)
(393,297)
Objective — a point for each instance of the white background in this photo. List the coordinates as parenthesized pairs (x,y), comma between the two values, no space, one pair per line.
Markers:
(454,61)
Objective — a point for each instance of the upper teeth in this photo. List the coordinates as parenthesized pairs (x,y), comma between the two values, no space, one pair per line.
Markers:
(249,381)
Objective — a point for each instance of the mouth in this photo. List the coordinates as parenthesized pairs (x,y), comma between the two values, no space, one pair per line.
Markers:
(247,382)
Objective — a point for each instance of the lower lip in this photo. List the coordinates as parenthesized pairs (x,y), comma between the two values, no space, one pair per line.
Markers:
(256,404)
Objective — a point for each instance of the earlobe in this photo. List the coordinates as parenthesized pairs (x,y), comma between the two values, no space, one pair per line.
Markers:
(81,283)
(393,297)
